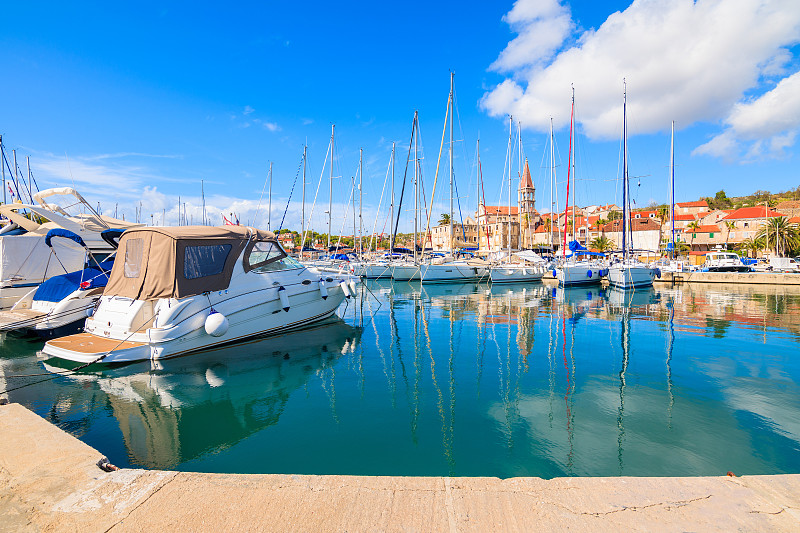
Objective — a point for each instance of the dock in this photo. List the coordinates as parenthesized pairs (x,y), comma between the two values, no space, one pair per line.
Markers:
(50,481)
(742,278)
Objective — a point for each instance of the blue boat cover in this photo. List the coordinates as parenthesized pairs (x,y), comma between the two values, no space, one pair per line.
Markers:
(57,288)
(61,232)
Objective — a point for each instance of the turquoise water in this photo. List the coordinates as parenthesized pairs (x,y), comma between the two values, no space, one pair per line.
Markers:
(465,380)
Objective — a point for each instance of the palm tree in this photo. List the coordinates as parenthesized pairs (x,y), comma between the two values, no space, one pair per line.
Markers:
(694,226)
(779,235)
(444,220)
(729,225)
(751,244)
(601,243)
(662,215)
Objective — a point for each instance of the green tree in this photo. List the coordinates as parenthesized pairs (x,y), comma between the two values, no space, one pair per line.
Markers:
(779,235)
(693,226)
(444,219)
(750,244)
(601,243)
(729,225)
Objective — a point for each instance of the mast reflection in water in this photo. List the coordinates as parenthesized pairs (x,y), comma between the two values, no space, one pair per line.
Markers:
(467,379)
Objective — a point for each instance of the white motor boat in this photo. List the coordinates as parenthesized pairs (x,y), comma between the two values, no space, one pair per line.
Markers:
(180,289)
(26,261)
(60,305)
(631,273)
(723,262)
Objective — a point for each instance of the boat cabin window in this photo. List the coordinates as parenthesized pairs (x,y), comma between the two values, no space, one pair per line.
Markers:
(205,260)
(133,257)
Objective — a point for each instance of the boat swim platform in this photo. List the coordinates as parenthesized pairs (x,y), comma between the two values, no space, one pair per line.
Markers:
(19,318)
(91,344)
(50,481)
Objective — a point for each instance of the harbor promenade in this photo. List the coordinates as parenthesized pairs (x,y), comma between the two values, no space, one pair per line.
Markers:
(50,481)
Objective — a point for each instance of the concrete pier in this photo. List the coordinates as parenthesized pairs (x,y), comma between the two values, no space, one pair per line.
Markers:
(49,481)
(743,278)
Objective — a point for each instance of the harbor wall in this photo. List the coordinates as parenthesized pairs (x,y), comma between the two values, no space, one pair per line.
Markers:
(50,481)
(747,278)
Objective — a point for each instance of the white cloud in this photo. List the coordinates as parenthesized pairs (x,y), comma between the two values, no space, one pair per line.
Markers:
(247,110)
(542,26)
(764,126)
(685,61)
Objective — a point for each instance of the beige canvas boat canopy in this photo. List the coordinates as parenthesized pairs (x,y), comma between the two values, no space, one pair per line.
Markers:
(176,262)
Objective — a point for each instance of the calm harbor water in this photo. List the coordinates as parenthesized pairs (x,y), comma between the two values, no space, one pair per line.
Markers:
(466,380)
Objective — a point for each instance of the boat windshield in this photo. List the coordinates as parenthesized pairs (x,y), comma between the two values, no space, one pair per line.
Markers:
(265,256)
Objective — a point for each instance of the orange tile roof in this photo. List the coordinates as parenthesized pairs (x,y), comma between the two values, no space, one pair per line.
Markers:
(752,212)
(683,217)
(698,203)
(500,210)
(708,228)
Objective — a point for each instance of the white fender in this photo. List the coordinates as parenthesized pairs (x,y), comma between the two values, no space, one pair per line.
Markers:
(345,288)
(323,290)
(216,324)
(353,290)
(284,296)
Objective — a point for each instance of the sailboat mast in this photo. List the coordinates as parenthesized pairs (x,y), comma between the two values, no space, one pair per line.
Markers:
(510,157)
(672,186)
(416,186)
(574,177)
(303,206)
(569,167)
(391,210)
(3,168)
(360,202)
(269,205)
(478,194)
(203,195)
(624,169)
(330,190)
(452,74)
(552,181)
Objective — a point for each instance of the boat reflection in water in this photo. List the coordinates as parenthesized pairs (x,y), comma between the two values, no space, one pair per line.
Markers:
(185,407)
(468,380)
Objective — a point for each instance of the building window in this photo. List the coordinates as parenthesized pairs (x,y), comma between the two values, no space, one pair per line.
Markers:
(710,235)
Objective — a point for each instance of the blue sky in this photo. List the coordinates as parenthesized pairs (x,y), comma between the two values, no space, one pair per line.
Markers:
(140,102)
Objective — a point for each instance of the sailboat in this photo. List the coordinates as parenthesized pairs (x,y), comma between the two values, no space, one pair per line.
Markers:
(405,264)
(573,271)
(436,270)
(518,267)
(629,272)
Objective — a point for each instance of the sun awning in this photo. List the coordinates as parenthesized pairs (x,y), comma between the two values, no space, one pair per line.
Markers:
(176,262)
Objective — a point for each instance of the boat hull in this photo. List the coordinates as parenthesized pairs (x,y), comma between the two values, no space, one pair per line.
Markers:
(579,274)
(449,272)
(246,319)
(408,272)
(516,274)
(630,276)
